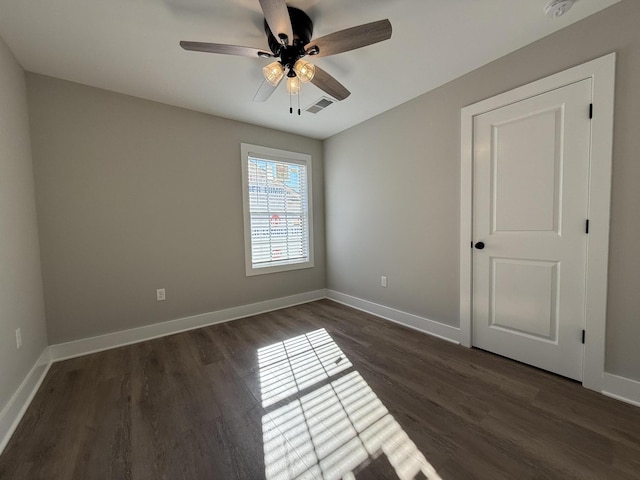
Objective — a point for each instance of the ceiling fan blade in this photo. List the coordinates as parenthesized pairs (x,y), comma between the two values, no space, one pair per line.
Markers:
(277,17)
(326,82)
(352,38)
(225,49)
(265,91)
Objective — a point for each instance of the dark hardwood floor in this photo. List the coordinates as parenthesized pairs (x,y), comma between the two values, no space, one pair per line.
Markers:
(316,391)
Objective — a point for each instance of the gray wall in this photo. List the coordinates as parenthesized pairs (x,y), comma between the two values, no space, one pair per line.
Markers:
(21,302)
(134,195)
(392,185)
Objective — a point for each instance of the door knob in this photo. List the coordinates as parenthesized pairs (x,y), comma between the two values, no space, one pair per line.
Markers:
(480,245)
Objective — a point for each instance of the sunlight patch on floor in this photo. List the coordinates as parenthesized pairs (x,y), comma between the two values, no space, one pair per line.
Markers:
(324,421)
(298,363)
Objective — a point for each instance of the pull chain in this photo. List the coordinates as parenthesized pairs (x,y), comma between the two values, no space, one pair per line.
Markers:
(291,101)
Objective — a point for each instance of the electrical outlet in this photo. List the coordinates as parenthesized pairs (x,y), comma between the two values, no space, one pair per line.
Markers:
(383,281)
(18,338)
(160,294)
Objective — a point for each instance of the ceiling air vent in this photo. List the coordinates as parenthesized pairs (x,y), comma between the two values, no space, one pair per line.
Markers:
(320,105)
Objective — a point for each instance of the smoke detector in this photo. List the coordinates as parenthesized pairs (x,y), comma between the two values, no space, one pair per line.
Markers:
(557,8)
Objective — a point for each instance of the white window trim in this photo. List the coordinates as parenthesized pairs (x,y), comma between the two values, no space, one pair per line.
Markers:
(602,72)
(286,156)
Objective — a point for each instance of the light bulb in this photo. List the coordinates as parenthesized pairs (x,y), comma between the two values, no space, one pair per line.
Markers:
(273,73)
(304,70)
(293,85)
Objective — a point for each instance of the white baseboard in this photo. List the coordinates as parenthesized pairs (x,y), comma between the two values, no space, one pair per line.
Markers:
(63,351)
(431,327)
(621,388)
(15,409)
(617,387)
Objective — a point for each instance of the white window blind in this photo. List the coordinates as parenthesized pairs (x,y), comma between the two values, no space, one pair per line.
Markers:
(277,222)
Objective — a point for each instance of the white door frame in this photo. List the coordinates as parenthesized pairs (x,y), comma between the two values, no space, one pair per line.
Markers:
(602,73)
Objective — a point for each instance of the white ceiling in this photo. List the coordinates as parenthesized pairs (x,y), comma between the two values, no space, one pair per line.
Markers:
(131,47)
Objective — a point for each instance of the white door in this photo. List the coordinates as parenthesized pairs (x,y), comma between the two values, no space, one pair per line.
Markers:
(530,199)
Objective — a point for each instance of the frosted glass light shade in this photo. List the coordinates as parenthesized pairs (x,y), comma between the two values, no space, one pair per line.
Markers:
(293,85)
(304,70)
(273,73)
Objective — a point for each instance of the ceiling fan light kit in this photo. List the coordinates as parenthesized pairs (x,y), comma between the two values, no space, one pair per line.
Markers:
(273,73)
(289,36)
(293,85)
(304,70)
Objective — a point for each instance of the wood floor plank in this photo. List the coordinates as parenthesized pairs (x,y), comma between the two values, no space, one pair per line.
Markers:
(351,391)
(204,347)
(467,442)
(619,422)
(105,444)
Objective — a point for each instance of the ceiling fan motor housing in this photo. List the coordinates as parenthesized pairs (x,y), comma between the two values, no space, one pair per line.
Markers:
(302,27)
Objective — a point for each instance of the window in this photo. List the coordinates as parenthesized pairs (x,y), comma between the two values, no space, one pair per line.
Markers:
(278,227)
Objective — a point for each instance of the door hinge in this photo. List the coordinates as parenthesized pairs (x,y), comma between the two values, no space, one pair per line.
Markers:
(586,226)
(591,110)
(584,333)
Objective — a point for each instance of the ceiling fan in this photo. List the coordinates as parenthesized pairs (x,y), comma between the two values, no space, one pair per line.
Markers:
(289,32)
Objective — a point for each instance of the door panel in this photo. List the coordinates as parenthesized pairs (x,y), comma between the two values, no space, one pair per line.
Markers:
(524,297)
(525,165)
(531,164)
